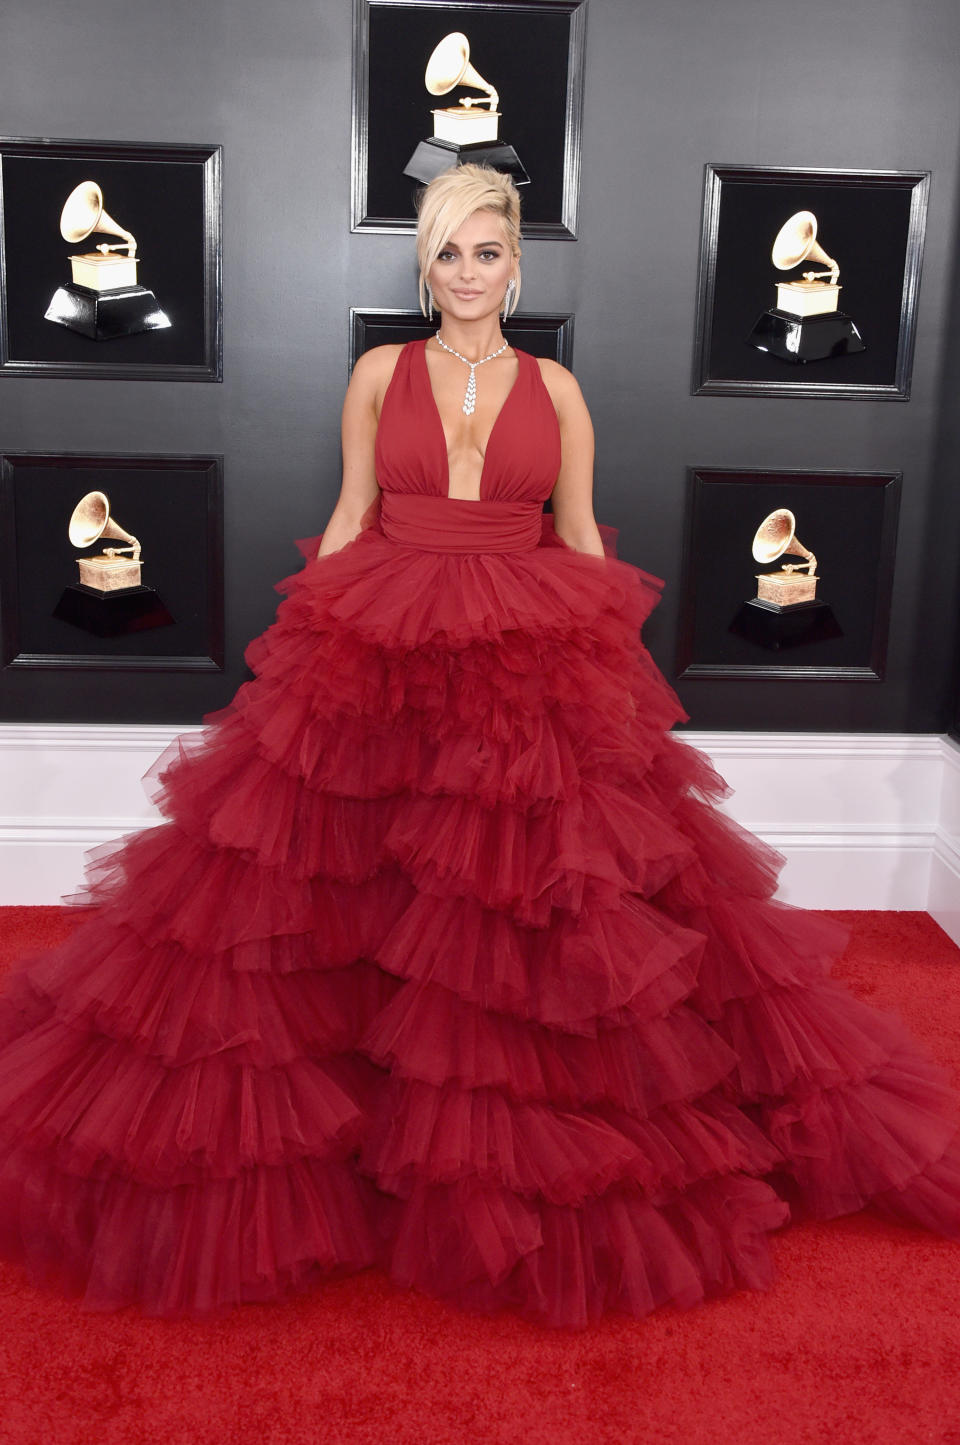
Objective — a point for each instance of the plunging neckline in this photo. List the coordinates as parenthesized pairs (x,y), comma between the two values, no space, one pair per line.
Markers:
(443,435)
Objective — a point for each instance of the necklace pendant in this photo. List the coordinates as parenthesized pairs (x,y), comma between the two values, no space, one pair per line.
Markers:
(470,397)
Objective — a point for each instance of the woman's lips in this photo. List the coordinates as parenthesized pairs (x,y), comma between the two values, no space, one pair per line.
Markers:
(467,295)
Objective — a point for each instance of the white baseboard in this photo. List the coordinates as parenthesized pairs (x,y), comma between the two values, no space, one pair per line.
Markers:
(854,814)
(866,820)
(66,788)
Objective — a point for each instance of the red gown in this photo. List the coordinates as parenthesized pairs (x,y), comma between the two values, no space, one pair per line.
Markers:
(444,959)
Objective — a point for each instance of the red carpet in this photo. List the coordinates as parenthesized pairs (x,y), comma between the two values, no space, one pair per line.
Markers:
(858,1343)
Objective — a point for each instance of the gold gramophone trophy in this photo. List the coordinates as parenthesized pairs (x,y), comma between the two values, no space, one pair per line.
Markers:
(103,299)
(786,610)
(467,131)
(805,324)
(110,599)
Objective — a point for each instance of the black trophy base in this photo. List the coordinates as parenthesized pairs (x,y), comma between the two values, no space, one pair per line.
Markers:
(112,614)
(774,627)
(805,338)
(433,156)
(105,315)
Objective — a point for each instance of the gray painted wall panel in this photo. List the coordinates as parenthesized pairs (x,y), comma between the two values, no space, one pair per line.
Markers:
(669,86)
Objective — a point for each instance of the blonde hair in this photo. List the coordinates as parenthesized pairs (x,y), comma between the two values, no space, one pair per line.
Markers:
(450,199)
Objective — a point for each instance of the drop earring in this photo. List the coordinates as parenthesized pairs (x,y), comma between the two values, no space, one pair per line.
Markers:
(429,304)
(508,298)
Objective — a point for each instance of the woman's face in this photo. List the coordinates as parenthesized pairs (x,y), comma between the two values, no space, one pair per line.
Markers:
(469,276)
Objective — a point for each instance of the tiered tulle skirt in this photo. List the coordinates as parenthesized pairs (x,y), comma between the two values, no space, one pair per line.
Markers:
(445,960)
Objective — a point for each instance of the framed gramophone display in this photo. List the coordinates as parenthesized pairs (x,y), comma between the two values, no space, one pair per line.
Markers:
(103,299)
(499,82)
(806,323)
(809,282)
(468,130)
(111,562)
(539,333)
(109,599)
(110,260)
(787,574)
(785,612)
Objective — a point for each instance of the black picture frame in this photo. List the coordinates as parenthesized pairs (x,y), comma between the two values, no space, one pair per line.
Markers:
(847,519)
(871,222)
(531,50)
(169,197)
(172,503)
(541,334)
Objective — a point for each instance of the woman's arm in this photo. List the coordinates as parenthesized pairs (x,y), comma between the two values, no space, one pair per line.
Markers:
(572,495)
(358,431)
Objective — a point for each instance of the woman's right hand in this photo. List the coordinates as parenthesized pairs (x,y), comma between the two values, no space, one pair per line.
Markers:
(340,530)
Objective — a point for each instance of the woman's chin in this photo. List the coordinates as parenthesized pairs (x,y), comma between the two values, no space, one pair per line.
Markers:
(480,309)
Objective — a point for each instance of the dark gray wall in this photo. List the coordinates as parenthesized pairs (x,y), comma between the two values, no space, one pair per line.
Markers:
(940,606)
(669,86)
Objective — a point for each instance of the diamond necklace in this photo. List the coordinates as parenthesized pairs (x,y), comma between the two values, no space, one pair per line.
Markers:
(470,397)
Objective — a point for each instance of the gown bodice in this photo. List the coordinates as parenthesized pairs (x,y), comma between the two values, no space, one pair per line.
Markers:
(520,465)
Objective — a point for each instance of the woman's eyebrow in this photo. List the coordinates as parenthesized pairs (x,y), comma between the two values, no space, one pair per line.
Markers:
(479,246)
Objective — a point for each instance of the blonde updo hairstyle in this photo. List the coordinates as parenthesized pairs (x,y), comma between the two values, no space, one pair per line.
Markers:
(450,199)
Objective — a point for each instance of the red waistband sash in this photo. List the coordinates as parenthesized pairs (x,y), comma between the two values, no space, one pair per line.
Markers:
(454,524)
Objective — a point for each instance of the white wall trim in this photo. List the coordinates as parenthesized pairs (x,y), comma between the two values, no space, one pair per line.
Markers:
(80,737)
(944,894)
(865,820)
(791,746)
(85,832)
(67,788)
(855,814)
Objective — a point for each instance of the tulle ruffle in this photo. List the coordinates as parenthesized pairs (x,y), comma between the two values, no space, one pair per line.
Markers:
(566,1265)
(445,959)
(192,1250)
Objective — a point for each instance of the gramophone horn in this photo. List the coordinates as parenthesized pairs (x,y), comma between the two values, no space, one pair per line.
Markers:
(797,241)
(83,213)
(449,65)
(91,520)
(776,535)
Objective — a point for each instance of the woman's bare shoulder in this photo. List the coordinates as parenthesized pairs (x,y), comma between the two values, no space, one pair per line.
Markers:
(372,372)
(562,385)
(378,362)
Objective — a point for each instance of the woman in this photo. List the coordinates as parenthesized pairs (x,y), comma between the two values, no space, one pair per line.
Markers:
(444,959)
